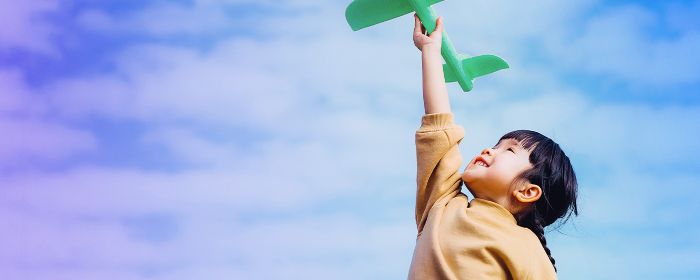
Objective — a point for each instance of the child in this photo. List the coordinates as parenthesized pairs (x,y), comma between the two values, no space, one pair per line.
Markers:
(521,185)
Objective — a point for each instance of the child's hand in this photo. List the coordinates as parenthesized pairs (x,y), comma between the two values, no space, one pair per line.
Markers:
(424,43)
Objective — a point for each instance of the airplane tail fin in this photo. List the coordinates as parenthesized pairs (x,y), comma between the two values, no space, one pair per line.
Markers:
(364,13)
(475,67)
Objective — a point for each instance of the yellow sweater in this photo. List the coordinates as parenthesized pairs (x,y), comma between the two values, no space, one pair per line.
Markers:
(458,239)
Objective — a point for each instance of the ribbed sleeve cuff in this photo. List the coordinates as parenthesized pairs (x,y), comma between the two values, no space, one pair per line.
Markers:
(439,121)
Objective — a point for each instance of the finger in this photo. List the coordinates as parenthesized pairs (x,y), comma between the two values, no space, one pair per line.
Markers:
(416,28)
(438,28)
(419,27)
(438,24)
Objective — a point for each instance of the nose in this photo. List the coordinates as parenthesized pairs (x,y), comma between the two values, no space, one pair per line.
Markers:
(487,151)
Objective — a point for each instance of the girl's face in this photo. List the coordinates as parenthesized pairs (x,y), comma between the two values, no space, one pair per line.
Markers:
(491,174)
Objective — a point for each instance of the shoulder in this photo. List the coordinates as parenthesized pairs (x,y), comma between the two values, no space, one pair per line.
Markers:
(539,266)
(522,254)
(527,234)
(527,242)
(519,240)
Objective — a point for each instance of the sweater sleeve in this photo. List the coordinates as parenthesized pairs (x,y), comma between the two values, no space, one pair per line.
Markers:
(438,160)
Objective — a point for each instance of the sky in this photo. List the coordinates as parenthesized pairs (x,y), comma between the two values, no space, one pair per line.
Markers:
(240,139)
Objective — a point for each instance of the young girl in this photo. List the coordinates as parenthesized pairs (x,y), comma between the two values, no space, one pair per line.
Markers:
(520,186)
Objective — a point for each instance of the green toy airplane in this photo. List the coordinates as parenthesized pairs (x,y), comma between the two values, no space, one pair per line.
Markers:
(458,68)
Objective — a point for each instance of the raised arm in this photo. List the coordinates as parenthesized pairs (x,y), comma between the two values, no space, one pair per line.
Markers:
(437,139)
(435,98)
(437,152)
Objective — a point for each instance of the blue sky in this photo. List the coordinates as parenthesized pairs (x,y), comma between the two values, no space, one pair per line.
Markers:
(241,139)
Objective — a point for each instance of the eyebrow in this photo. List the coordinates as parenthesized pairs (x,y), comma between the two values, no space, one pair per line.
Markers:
(511,141)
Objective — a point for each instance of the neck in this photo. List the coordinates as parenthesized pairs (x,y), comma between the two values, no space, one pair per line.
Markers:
(514,207)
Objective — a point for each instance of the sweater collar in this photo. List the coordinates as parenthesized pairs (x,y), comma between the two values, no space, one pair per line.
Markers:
(494,208)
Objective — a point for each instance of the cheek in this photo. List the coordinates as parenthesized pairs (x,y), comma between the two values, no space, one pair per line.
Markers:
(503,175)
(466,174)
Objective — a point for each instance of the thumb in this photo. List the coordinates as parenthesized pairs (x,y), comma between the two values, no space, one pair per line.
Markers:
(438,28)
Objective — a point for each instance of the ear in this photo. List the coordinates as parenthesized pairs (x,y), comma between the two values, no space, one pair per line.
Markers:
(528,193)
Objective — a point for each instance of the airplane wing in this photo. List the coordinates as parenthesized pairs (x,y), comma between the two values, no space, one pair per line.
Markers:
(481,65)
(475,67)
(364,13)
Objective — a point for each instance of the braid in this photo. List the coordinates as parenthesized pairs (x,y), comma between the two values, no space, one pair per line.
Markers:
(552,172)
(533,221)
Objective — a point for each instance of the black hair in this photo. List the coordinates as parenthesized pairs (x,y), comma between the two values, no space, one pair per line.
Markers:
(552,172)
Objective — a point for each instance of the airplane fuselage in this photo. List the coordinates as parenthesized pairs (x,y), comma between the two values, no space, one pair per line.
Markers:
(428,17)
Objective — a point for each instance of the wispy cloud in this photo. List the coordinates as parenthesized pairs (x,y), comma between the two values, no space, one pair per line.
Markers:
(285,140)
(26,26)
(618,43)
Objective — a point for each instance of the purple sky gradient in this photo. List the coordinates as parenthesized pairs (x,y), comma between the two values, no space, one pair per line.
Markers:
(265,140)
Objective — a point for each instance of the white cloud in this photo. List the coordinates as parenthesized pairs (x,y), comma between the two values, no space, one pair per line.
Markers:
(195,18)
(191,147)
(25,26)
(618,43)
(335,116)
(17,98)
(242,82)
(497,26)
(76,219)
(623,257)
(161,19)
(27,142)
(632,199)
(29,136)
(84,97)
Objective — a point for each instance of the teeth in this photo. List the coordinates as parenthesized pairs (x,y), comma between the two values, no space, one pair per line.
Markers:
(481,163)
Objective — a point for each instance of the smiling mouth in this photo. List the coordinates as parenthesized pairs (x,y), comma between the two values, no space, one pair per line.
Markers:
(480,162)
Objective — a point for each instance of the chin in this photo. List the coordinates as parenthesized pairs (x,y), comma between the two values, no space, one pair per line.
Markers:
(467,177)
(464,176)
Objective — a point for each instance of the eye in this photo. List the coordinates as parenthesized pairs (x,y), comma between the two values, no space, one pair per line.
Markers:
(511,149)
